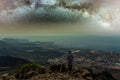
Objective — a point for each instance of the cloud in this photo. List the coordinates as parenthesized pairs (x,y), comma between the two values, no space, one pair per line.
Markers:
(85,15)
(56,11)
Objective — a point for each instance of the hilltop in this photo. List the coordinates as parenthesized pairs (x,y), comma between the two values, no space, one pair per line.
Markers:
(54,72)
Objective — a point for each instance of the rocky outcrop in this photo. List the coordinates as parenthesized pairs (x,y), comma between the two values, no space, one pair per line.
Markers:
(29,70)
(82,73)
(55,72)
(7,77)
(103,76)
(58,68)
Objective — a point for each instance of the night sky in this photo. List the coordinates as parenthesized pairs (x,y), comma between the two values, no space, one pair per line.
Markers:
(55,17)
(73,23)
(93,18)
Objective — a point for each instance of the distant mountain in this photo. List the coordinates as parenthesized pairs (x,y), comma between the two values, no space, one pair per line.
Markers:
(9,61)
(2,44)
(11,40)
(32,51)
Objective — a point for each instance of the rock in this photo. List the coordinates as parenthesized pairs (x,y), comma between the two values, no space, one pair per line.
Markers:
(42,70)
(82,73)
(58,68)
(5,76)
(104,76)
(30,74)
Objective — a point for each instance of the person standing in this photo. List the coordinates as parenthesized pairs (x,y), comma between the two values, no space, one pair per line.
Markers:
(70,61)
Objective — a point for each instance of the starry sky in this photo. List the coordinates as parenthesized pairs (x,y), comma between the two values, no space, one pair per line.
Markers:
(52,17)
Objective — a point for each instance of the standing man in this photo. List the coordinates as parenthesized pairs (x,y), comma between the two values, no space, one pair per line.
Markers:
(70,61)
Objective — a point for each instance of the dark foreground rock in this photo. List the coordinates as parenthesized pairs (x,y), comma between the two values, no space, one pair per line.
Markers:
(58,68)
(103,76)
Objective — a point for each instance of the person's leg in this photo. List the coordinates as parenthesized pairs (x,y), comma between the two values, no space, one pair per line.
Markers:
(70,68)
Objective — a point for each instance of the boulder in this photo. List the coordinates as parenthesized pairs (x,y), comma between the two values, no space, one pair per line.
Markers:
(103,76)
(58,68)
(5,76)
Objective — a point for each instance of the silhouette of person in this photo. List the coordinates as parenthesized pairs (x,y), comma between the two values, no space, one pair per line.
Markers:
(70,61)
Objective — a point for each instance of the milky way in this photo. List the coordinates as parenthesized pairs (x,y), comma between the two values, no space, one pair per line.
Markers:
(62,10)
(92,14)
